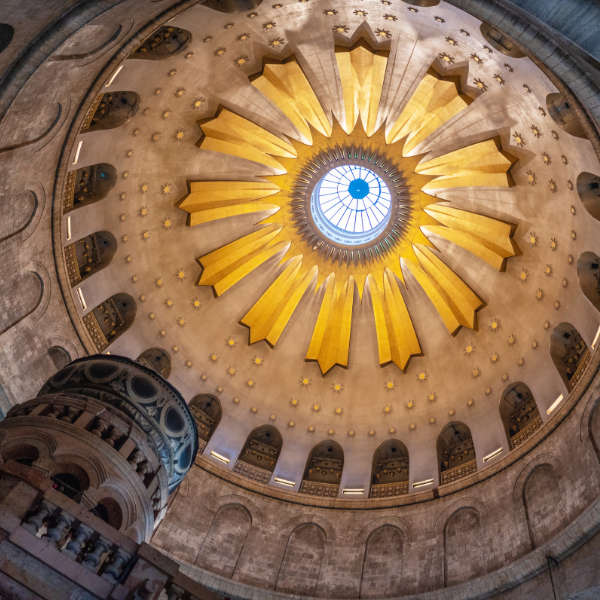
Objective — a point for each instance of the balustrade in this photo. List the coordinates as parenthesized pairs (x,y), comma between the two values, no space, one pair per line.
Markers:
(526,432)
(251,472)
(387,490)
(314,488)
(457,473)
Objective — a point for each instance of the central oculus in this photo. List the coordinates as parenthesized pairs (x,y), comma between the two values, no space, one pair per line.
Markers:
(351,205)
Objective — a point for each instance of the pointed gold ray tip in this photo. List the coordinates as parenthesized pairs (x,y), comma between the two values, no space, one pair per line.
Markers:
(287,173)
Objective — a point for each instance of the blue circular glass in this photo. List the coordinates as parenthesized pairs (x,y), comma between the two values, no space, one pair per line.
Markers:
(351,205)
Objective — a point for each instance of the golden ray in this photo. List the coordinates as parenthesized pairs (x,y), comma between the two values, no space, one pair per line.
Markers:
(289,90)
(270,315)
(454,300)
(229,264)
(482,164)
(396,337)
(435,101)
(362,71)
(488,238)
(330,341)
(231,134)
(212,200)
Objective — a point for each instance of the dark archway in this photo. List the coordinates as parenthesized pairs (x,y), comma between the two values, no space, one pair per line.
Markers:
(24,455)
(70,480)
(588,274)
(88,185)
(456,453)
(519,413)
(207,413)
(259,455)
(500,41)
(564,116)
(6,35)
(110,512)
(423,3)
(111,110)
(389,473)
(59,356)
(89,255)
(164,43)
(157,359)
(109,320)
(569,352)
(323,472)
(588,188)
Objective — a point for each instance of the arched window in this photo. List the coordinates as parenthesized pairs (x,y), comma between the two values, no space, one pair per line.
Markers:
(166,42)
(158,360)
(207,412)
(389,474)
(588,188)
(6,35)
(90,255)
(232,6)
(564,116)
(109,320)
(259,455)
(59,356)
(109,511)
(70,480)
(588,274)
(569,352)
(456,453)
(88,185)
(111,110)
(24,455)
(424,3)
(519,413)
(500,41)
(323,473)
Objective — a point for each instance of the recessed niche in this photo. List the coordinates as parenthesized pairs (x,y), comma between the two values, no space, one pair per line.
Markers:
(6,35)
(500,41)
(588,188)
(569,352)
(588,273)
(162,44)
(562,113)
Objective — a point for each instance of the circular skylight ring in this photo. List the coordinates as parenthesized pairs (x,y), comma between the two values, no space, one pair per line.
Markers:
(351,205)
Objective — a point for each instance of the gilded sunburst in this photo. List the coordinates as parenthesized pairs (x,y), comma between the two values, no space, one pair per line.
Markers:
(379,265)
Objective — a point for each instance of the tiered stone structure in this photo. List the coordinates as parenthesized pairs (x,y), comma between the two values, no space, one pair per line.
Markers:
(86,469)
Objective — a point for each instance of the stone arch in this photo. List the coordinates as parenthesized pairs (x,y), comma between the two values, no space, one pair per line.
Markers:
(564,116)
(463,547)
(207,412)
(90,184)
(6,35)
(455,452)
(500,41)
(59,340)
(588,190)
(223,544)
(590,424)
(89,255)
(398,522)
(390,467)
(538,487)
(157,359)
(43,441)
(519,413)
(90,464)
(300,520)
(162,44)
(17,213)
(109,510)
(259,454)
(300,567)
(569,353)
(110,319)
(383,553)
(114,489)
(111,110)
(252,509)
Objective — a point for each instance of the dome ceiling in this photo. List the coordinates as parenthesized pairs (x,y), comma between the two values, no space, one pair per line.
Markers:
(424,323)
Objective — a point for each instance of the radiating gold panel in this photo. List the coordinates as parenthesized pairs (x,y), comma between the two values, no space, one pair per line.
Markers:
(396,337)
(483,164)
(231,134)
(287,87)
(270,315)
(213,200)
(488,238)
(454,300)
(435,101)
(229,264)
(330,343)
(362,71)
